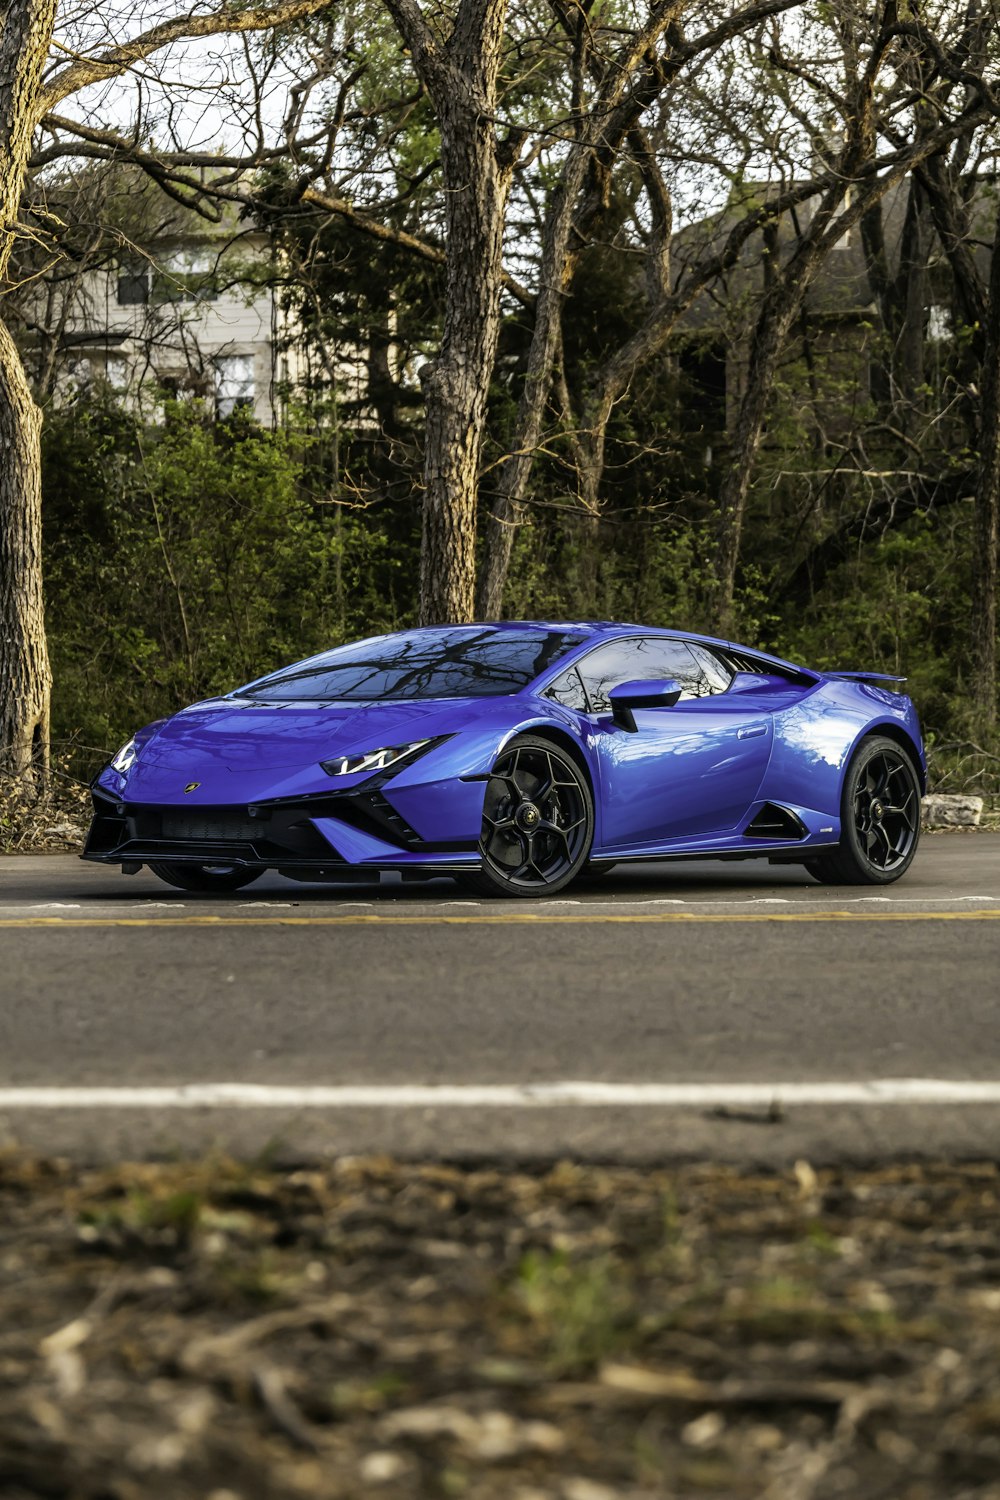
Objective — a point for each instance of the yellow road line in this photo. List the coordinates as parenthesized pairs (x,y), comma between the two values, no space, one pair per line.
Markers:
(540,919)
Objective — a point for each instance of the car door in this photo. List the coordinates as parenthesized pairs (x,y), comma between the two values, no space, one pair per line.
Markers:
(688,771)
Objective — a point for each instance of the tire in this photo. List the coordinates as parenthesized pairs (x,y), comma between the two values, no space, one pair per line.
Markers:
(880,818)
(595,870)
(538,821)
(208,878)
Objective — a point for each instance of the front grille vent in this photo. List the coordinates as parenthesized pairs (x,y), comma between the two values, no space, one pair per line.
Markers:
(212,825)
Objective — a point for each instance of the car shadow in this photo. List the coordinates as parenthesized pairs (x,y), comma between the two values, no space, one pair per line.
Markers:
(670,880)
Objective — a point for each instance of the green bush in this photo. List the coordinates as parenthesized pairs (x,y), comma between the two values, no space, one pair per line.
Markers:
(188,557)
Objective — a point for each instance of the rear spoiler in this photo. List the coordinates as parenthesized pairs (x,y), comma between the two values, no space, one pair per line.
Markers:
(865,677)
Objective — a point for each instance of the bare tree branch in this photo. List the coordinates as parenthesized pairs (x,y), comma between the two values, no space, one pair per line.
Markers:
(83,71)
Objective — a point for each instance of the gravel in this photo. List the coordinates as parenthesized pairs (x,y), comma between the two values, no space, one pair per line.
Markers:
(228,1331)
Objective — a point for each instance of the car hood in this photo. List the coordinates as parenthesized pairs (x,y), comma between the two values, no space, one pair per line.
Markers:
(241,734)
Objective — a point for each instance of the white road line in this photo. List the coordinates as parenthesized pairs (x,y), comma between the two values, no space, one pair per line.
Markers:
(814,898)
(705,904)
(557,1094)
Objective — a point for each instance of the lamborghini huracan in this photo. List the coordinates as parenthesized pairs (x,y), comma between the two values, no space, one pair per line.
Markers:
(520,757)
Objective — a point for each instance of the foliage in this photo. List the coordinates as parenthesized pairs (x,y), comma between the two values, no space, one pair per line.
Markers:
(189,556)
(185,557)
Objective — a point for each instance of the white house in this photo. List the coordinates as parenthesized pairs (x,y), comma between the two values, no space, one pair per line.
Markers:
(198,315)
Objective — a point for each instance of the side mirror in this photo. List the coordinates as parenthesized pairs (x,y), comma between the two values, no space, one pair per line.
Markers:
(627,696)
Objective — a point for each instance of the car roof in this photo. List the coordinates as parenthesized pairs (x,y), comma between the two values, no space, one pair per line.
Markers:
(594,631)
(598,630)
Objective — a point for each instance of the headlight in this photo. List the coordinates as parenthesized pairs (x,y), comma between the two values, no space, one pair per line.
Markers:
(372,760)
(125,759)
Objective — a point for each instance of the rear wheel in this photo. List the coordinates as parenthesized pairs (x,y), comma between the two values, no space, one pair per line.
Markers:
(880,818)
(538,822)
(204,877)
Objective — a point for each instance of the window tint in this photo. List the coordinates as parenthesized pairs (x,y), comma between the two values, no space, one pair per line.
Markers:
(717,676)
(569,691)
(643,658)
(464,662)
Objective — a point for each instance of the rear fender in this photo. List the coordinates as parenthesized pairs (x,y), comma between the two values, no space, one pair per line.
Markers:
(813,742)
(815,739)
(893,730)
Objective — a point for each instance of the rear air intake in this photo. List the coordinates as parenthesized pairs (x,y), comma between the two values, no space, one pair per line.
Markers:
(773,822)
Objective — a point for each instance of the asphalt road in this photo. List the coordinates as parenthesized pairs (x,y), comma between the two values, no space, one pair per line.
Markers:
(747,980)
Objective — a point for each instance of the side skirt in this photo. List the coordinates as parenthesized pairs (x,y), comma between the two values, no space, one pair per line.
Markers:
(784,854)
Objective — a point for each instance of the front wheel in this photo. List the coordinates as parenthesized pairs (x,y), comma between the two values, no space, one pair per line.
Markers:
(538,821)
(208,878)
(880,818)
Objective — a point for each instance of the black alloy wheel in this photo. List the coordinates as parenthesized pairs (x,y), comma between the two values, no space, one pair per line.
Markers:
(538,821)
(208,878)
(880,818)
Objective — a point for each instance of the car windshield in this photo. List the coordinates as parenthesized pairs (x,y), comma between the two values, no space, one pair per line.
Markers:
(465,662)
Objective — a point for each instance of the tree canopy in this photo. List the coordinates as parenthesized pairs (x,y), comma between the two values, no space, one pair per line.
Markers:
(676,310)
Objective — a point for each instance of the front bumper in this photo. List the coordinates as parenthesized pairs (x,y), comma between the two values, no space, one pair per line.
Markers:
(324,835)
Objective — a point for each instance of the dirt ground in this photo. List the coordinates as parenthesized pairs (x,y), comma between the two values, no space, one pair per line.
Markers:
(217,1331)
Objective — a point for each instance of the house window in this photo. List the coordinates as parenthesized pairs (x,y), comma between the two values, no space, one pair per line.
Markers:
(116,372)
(234,383)
(703,385)
(80,371)
(185,275)
(938,322)
(133,284)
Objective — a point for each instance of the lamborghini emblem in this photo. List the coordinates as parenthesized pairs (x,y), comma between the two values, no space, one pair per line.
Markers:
(192,786)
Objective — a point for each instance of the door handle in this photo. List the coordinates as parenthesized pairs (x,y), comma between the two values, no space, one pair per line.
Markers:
(751,731)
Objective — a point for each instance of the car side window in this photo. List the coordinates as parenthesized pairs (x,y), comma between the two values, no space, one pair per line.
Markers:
(569,691)
(604,668)
(636,658)
(716,676)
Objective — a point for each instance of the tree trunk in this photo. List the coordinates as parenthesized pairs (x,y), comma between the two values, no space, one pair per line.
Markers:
(25,678)
(457,384)
(983,624)
(951,219)
(24,664)
(779,312)
(460,75)
(554,274)
(590,472)
(913,254)
(901,298)
(614,117)
(558,261)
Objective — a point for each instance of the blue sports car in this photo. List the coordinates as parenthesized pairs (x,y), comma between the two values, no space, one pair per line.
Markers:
(520,756)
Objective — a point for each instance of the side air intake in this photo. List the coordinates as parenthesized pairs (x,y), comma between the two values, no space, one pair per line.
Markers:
(774,822)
